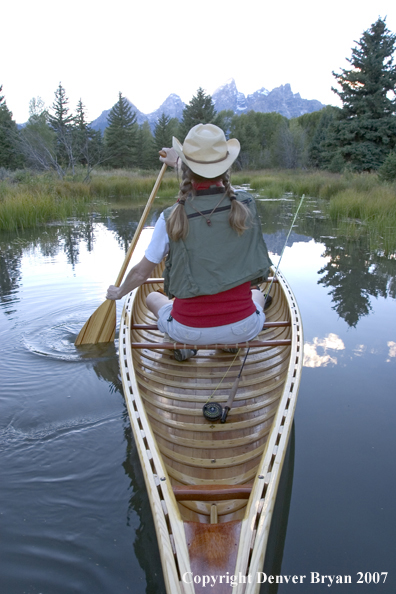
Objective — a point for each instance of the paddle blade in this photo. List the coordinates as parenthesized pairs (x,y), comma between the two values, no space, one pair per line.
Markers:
(101,326)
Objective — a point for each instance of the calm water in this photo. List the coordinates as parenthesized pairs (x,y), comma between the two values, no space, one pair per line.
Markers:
(74,515)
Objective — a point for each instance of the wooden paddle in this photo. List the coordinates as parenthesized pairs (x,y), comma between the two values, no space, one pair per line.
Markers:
(101,326)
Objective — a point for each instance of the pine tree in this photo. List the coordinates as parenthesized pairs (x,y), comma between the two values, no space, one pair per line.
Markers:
(200,110)
(80,121)
(164,130)
(147,156)
(366,131)
(121,134)
(87,142)
(318,150)
(61,123)
(10,156)
(61,118)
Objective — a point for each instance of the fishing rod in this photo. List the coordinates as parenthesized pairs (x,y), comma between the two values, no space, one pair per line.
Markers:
(213,411)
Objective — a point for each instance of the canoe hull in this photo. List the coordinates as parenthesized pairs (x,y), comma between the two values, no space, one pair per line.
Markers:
(194,468)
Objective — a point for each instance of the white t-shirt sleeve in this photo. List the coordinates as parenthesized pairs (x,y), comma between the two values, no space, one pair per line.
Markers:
(159,244)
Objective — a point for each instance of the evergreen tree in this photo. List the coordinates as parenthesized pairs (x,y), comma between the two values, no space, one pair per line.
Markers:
(61,118)
(366,131)
(80,121)
(320,138)
(121,134)
(10,156)
(164,130)
(87,142)
(62,123)
(147,156)
(200,110)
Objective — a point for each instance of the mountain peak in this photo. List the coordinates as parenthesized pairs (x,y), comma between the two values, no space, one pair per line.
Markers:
(227,97)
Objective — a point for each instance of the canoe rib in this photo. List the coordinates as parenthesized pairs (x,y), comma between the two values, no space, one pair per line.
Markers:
(197,471)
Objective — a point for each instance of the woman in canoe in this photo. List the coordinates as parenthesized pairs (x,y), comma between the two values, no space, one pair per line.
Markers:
(215,250)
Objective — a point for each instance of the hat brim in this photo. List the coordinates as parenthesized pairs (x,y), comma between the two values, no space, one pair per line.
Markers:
(209,170)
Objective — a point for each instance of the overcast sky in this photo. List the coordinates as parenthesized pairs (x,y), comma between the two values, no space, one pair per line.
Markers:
(151,48)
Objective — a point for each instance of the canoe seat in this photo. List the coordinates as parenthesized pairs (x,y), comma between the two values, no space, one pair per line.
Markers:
(211,492)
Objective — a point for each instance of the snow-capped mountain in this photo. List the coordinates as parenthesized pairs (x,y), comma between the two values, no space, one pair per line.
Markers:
(281,100)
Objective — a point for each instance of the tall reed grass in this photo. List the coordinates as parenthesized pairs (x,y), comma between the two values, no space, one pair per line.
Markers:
(22,208)
(371,211)
(356,202)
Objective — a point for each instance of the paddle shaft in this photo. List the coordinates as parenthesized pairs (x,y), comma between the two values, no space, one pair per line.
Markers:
(140,226)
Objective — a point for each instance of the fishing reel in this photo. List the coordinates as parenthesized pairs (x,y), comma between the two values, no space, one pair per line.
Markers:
(213,411)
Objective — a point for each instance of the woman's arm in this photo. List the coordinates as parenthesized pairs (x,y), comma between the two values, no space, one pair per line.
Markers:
(135,277)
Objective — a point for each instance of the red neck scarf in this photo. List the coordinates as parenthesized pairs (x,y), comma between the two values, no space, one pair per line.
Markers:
(204,185)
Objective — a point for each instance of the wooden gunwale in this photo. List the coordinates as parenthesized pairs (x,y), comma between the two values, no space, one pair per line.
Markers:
(173,457)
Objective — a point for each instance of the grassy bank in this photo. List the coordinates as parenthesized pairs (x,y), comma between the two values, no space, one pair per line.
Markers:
(33,200)
(357,203)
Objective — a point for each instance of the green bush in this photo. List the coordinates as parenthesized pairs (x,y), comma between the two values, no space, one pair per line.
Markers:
(387,171)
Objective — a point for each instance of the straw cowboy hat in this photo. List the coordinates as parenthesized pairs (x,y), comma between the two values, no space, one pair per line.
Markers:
(206,151)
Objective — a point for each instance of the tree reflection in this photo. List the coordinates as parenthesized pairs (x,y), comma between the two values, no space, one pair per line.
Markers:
(105,364)
(355,274)
(49,241)
(10,275)
(145,545)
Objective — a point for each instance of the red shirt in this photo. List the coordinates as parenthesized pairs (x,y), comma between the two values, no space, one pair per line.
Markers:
(207,311)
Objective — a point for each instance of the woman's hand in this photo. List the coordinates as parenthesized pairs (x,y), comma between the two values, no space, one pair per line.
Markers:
(135,277)
(171,157)
(113,293)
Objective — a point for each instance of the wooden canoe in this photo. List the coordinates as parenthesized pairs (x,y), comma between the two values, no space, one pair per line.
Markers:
(212,485)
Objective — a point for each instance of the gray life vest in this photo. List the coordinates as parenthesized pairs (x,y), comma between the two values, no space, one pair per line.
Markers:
(214,258)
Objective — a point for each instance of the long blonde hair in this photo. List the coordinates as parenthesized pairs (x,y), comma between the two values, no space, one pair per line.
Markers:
(177,223)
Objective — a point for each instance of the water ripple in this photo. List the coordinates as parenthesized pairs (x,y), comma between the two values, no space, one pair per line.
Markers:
(58,340)
(11,436)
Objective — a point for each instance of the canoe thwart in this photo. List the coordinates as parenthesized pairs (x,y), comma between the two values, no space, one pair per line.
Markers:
(281,324)
(179,345)
(152,281)
(211,492)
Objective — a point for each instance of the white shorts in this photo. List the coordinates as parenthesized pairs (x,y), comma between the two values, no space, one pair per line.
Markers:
(241,331)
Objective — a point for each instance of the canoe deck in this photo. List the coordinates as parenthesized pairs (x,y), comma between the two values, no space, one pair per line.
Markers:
(199,472)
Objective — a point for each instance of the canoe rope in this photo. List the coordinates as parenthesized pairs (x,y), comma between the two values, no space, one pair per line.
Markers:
(221,381)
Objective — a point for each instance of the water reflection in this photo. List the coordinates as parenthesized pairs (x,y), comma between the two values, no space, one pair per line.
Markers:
(145,544)
(353,272)
(354,275)
(392,350)
(316,353)
(48,272)
(280,517)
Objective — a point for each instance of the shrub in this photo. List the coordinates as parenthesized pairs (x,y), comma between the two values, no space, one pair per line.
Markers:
(387,171)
